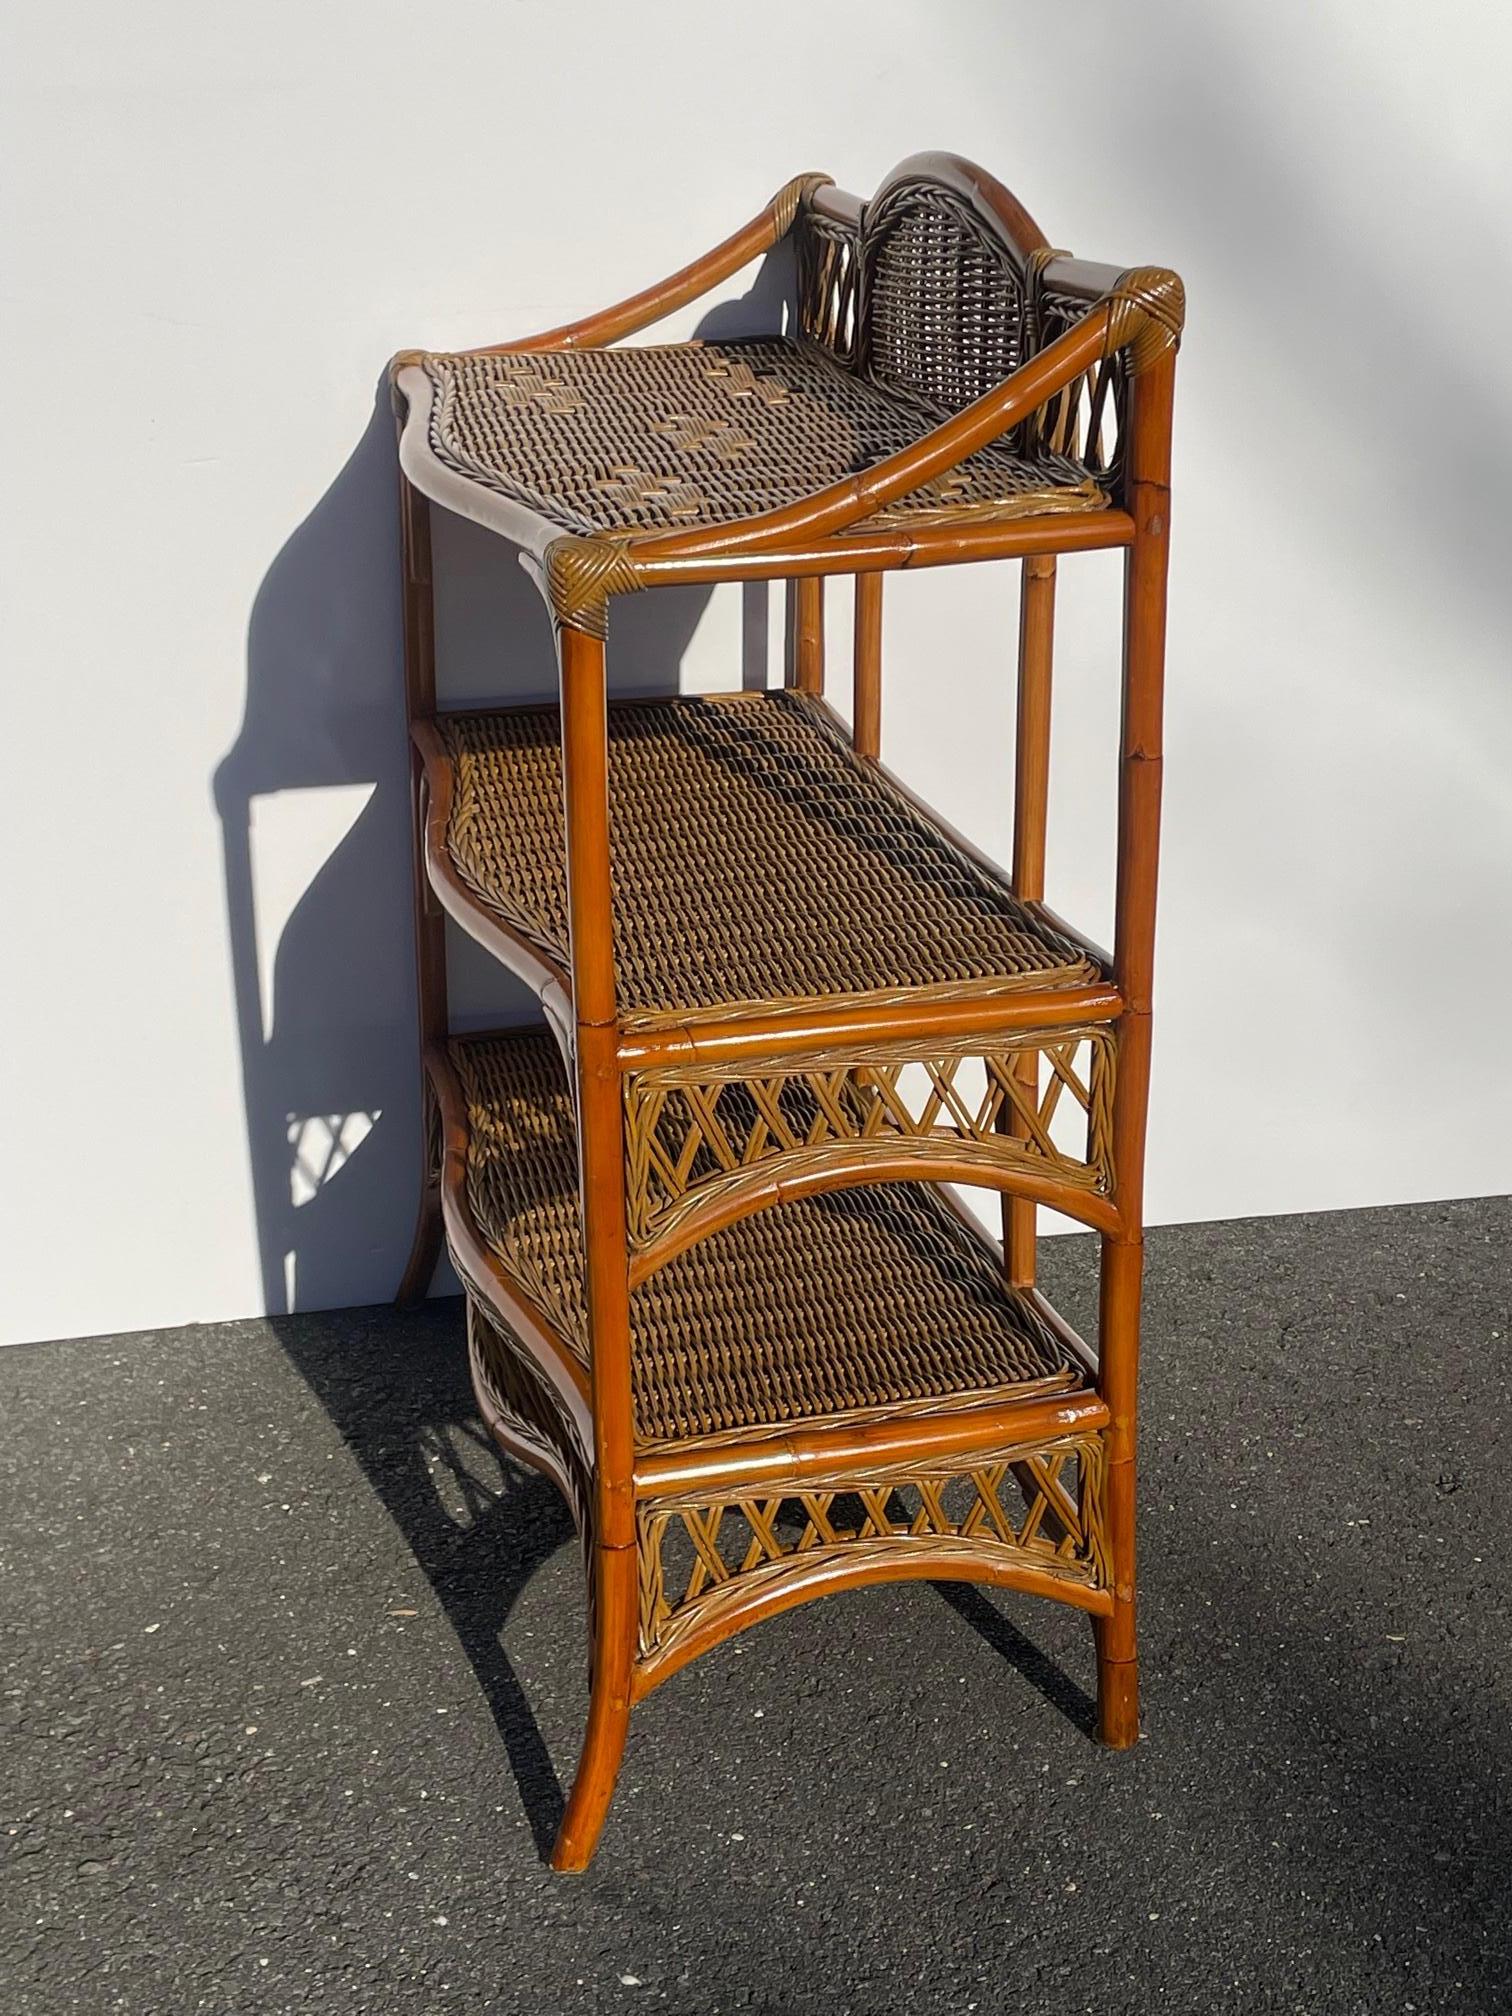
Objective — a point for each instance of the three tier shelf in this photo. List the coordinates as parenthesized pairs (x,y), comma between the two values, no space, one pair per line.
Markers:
(718,1286)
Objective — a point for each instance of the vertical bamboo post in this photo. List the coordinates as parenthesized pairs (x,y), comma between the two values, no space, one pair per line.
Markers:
(601,1155)
(1149,468)
(866,705)
(1031,801)
(808,633)
(418,592)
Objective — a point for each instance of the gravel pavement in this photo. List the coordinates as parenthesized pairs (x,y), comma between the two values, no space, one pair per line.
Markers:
(293,1674)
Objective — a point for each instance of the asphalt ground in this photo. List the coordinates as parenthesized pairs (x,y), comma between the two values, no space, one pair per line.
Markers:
(293,1675)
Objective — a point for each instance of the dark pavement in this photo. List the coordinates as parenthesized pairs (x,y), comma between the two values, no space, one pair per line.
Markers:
(293,1673)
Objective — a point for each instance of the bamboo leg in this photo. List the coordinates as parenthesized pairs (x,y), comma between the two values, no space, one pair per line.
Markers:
(808,633)
(1031,799)
(430,923)
(1133,958)
(601,1151)
(614,1612)
(866,730)
(1117,1650)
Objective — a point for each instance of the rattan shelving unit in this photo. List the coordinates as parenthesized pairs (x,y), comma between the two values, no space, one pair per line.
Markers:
(717,1285)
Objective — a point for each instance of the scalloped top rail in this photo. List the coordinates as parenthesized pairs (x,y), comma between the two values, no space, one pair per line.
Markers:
(949,369)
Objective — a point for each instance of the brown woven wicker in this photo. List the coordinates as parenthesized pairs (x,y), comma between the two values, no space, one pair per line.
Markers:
(760,1324)
(650,439)
(719,1285)
(755,860)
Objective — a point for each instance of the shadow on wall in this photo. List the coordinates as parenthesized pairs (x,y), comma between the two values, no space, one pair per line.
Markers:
(328,1030)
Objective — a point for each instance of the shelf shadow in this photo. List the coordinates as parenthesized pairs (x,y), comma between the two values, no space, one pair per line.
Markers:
(1050,1681)
(324,984)
(478,1525)
(324,992)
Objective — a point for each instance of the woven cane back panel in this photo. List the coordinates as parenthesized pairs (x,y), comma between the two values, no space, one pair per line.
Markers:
(756,861)
(714,1349)
(655,438)
(1039,1508)
(692,1136)
(942,297)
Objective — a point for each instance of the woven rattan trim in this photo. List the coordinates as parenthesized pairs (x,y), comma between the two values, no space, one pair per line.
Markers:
(757,862)
(868,1298)
(1040,1507)
(668,436)
(694,1132)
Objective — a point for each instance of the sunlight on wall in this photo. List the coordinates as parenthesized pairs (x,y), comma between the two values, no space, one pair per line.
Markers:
(290,830)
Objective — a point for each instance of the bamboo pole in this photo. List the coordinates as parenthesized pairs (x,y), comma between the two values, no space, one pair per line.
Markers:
(808,633)
(866,710)
(601,1153)
(1031,799)
(1149,452)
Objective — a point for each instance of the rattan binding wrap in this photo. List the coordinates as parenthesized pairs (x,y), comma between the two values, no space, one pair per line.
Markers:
(762,1323)
(757,861)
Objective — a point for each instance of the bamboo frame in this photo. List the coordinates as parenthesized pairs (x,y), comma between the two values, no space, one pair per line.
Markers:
(1140,765)
(583,1429)
(866,726)
(808,633)
(1031,803)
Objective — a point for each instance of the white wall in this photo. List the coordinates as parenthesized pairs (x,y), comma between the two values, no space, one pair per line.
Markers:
(219,223)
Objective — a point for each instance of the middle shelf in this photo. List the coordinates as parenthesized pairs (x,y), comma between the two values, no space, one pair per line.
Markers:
(882,1297)
(759,866)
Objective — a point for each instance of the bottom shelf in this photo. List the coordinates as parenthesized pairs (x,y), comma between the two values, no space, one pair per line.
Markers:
(877,1299)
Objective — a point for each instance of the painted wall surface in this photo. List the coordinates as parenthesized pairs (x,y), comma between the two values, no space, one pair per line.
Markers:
(220,222)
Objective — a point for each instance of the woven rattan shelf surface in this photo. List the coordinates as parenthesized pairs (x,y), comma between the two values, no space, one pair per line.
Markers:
(669,436)
(863,1299)
(756,861)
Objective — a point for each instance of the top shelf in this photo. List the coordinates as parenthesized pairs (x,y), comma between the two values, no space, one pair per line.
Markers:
(950,389)
(674,437)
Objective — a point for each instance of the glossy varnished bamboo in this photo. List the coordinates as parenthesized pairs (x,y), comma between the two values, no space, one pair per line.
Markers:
(847,1163)
(866,703)
(892,549)
(808,633)
(1031,807)
(601,1152)
(1140,756)
(611,1668)
(652,304)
